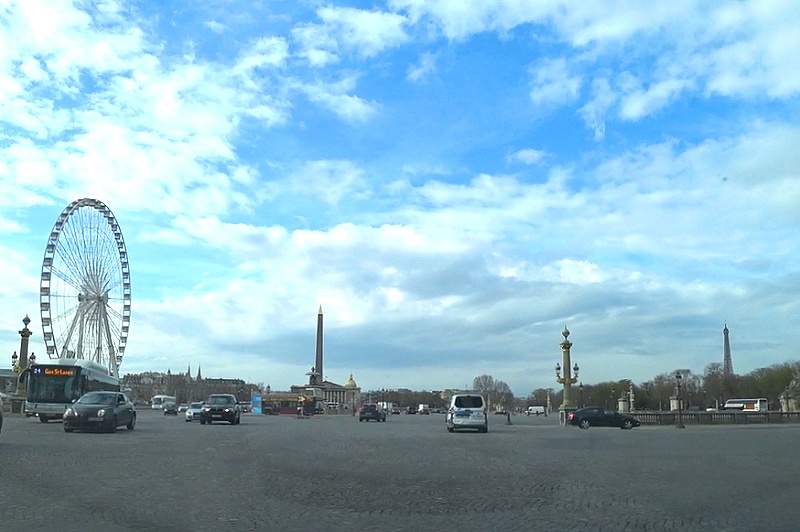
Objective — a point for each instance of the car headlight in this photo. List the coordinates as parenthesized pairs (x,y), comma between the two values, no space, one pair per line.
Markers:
(69,412)
(206,409)
(227,410)
(101,412)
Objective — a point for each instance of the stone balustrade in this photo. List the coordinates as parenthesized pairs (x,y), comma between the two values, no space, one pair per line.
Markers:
(716,418)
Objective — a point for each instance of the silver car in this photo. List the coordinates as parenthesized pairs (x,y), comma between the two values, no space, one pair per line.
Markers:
(467,411)
(193,411)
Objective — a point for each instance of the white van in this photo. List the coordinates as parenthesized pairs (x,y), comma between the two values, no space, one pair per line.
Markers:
(467,411)
(535,410)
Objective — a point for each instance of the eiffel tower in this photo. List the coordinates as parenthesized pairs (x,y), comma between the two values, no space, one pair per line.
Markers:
(727,364)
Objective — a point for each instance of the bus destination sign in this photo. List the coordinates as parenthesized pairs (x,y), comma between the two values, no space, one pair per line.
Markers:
(55,372)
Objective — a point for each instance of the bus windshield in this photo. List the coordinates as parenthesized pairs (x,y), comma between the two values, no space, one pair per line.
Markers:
(53,388)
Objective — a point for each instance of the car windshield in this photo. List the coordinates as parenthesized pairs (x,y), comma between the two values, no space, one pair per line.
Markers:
(98,398)
(196,405)
(220,400)
(469,401)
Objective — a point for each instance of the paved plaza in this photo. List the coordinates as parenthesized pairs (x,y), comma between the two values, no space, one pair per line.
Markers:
(332,473)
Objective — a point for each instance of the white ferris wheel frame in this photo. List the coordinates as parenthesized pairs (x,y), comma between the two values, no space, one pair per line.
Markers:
(85,287)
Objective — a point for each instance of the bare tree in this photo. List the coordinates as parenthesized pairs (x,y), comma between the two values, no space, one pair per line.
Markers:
(497,393)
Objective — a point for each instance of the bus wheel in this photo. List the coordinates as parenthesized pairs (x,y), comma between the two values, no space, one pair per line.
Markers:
(43,419)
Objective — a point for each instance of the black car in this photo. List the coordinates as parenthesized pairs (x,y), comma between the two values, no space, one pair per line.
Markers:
(171,409)
(594,416)
(220,407)
(371,411)
(100,411)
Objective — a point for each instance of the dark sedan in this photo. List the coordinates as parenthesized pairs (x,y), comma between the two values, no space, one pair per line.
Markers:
(100,411)
(594,416)
(220,407)
(371,411)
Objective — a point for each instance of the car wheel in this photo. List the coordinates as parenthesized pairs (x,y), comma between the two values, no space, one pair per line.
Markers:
(584,424)
(202,422)
(43,419)
(188,420)
(238,418)
(132,423)
(450,429)
(627,424)
(67,429)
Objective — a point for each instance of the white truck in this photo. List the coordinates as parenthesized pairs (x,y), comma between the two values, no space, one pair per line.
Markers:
(423,409)
(535,410)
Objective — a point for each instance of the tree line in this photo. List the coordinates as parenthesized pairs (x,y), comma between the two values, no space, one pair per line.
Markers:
(709,390)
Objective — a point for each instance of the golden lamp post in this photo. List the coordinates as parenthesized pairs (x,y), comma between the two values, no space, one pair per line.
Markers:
(567,404)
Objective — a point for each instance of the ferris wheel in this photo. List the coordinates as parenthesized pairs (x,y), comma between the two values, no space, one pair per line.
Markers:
(85,288)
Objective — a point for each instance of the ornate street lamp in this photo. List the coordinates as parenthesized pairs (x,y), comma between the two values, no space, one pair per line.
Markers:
(679,424)
(567,404)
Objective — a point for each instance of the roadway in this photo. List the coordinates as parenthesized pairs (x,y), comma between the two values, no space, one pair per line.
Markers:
(332,473)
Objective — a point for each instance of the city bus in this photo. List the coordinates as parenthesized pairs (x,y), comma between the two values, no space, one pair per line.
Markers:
(158,401)
(55,385)
(747,405)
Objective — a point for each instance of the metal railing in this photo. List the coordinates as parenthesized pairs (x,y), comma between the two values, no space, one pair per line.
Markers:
(716,418)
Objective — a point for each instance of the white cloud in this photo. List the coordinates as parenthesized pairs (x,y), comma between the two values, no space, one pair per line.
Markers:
(527,156)
(331,181)
(642,103)
(266,52)
(366,32)
(348,30)
(594,112)
(333,97)
(554,83)
(425,66)
(216,27)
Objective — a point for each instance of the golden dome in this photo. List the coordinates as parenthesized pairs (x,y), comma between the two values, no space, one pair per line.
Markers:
(350,382)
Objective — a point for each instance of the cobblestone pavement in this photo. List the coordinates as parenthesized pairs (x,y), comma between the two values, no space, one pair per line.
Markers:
(333,473)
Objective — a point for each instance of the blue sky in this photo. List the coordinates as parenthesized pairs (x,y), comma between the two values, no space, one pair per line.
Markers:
(453,182)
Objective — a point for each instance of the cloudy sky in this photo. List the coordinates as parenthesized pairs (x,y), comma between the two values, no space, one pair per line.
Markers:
(454,183)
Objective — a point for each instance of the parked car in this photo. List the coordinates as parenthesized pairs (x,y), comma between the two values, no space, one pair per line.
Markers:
(193,411)
(395,411)
(220,407)
(371,411)
(183,408)
(594,416)
(170,409)
(100,410)
(467,411)
(411,410)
